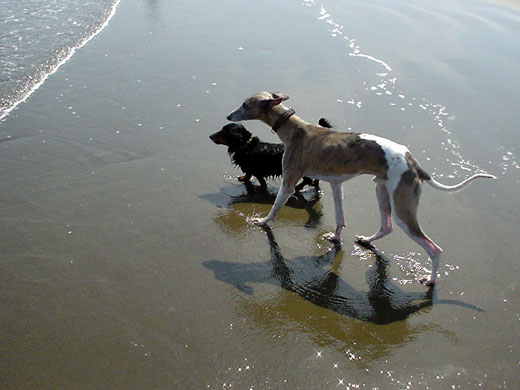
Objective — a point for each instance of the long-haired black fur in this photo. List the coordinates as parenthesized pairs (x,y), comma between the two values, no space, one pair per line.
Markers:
(262,160)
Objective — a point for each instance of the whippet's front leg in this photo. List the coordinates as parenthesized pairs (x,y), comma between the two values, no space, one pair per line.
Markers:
(385,210)
(284,192)
(337,194)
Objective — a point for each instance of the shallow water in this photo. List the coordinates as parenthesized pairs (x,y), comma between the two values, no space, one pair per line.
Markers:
(127,260)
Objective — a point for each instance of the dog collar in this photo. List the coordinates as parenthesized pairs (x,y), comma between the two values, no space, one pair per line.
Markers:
(244,146)
(282,119)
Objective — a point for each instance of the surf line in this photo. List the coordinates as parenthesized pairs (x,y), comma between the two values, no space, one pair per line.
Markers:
(67,57)
(387,85)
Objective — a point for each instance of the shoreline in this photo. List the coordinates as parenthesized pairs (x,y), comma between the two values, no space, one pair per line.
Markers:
(68,56)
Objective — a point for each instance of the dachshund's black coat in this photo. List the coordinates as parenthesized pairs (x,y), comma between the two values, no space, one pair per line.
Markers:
(254,157)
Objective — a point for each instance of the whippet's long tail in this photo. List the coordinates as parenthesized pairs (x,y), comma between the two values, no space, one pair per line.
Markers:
(460,186)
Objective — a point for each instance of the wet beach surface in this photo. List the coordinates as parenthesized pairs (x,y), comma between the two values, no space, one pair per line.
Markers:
(127,260)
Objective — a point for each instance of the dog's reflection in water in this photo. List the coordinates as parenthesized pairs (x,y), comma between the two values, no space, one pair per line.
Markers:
(247,197)
(316,279)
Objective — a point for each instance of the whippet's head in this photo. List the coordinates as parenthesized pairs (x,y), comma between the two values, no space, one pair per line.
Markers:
(256,106)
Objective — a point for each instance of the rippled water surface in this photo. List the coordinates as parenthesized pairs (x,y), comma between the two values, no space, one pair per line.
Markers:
(127,260)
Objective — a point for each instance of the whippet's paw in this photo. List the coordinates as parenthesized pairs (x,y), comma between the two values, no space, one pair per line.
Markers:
(364,240)
(258,221)
(332,237)
(428,282)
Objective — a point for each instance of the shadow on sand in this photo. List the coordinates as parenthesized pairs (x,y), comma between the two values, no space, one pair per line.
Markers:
(316,279)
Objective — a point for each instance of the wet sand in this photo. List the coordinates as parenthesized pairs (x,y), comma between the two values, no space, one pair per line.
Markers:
(126,258)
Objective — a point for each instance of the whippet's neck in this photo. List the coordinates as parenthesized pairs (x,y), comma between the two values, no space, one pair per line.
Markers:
(274,114)
(280,118)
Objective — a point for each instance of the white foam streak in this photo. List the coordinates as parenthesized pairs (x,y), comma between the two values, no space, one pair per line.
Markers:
(385,87)
(380,62)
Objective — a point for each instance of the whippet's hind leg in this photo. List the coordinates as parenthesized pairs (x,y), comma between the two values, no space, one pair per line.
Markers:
(405,204)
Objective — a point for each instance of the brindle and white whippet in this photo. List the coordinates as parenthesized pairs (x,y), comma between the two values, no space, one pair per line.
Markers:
(335,157)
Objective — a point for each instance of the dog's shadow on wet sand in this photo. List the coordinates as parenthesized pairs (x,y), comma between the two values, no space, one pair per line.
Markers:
(316,279)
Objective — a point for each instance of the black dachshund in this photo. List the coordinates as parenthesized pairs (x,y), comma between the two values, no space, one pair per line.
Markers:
(254,157)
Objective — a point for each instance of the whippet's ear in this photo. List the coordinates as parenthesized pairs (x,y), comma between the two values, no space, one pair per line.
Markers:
(279,95)
(277,99)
